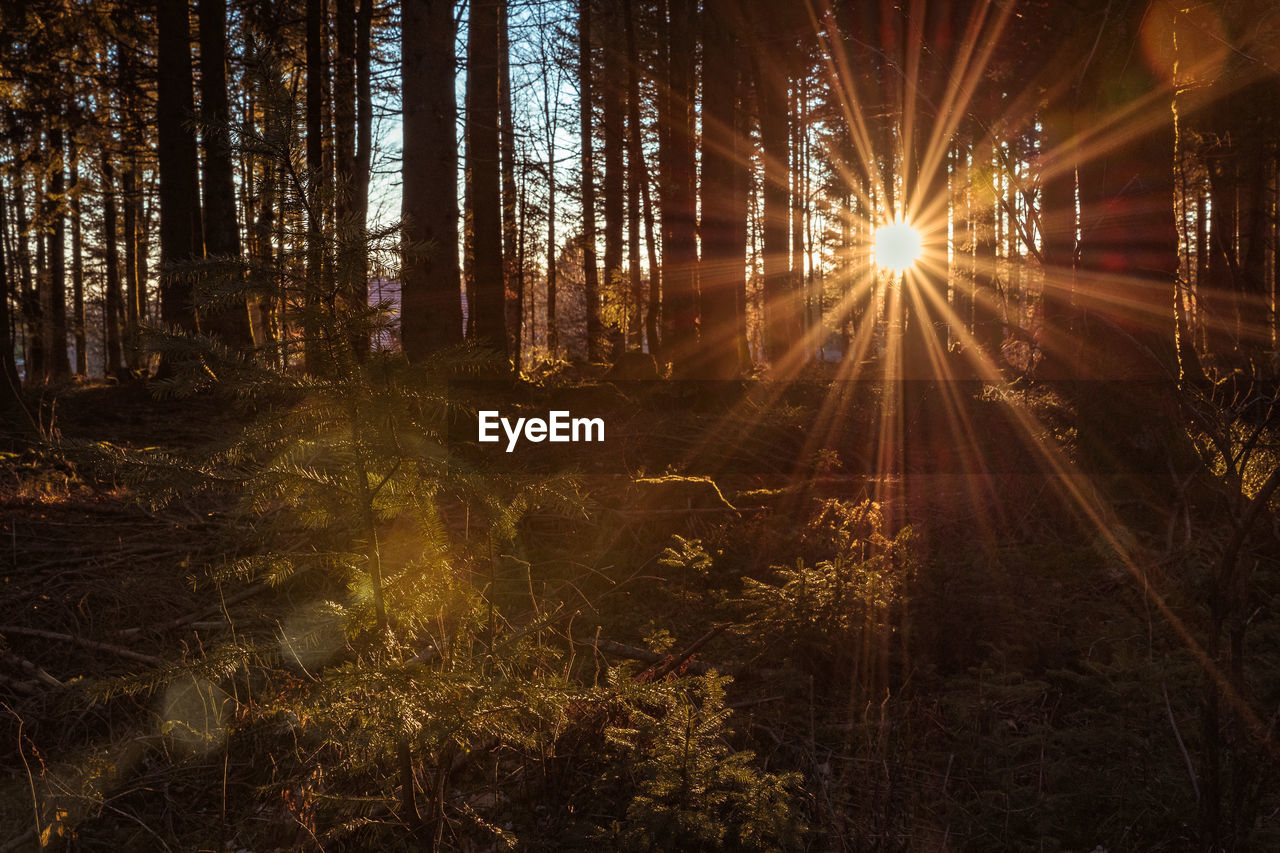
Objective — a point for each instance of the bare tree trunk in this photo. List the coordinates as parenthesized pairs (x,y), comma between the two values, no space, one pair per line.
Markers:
(987,326)
(10,398)
(317,84)
(77,267)
(227,319)
(1132,338)
(134,263)
(352,287)
(553,330)
(721,274)
(653,311)
(482,123)
(635,177)
(513,283)
(679,205)
(59,364)
(771,97)
(112,350)
(740,210)
(431,309)
(795,280)
(589,271)
(181,239)
(32,314)
(614,198)
(364,133)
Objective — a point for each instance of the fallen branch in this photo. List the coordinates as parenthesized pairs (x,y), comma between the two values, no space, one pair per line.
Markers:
(191,618)
(622,650)
(27,688)
(118,651)
(682,658)
(18,841)
(33,669)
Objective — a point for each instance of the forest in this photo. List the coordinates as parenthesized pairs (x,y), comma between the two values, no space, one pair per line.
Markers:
(640,425)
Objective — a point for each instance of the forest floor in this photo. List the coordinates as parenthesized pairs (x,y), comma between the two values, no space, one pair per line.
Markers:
(993,680)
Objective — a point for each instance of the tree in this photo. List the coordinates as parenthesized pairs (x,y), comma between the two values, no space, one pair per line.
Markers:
(113,306)
(483,43)
(59,365)
(679,194)
(431,306)
(181,240)
(228,315)
(771,74)
(722,267)
(614,121)
(592,285)
(10,395)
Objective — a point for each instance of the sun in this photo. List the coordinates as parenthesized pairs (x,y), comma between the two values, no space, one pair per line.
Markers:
(898,246)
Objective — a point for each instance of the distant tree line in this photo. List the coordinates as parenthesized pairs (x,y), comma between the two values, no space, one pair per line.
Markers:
(704,178)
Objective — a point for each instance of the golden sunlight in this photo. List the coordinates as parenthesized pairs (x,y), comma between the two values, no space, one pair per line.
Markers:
(897,246)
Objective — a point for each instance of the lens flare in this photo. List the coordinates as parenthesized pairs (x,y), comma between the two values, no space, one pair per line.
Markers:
(897,246)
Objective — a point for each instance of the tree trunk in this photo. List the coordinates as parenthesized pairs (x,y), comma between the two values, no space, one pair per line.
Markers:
(513,286)
(33,345)
(614,198)
(635,177)
(59,364)
(679,205)
(553,329)
(317,201)
(181,240)
(1127,268)
(795,278)
(112,350)
(10,398)
(988,329)
(468,217)
(722,267)
(740,208)
(351,284)
(771,98)
(226,318)
(77,269)
(364,137)
(482,123)
(134,279)
(431,308)
(589,271)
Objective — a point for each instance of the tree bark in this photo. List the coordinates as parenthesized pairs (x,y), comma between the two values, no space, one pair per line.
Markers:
(364,132)
(59,365)
(679,203)
(1127,268)
(351,284)
(32,314)
(10,396)
(513,282)
(614,197)
(226,318)
(722,267)
(134,279)
(112,350)
(635,177)
(589,270)
(181,240)
(431,307)
(77,269)
(771,98)
(482,122)
(317,185)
